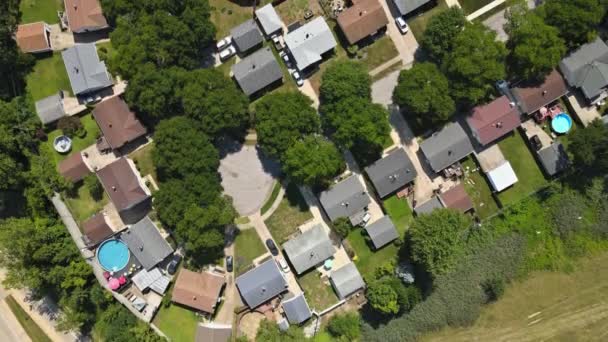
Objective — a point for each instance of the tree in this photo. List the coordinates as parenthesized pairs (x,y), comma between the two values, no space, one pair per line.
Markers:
(94,187)
(382,298)
(423,95)
(576,20)
(342,227)
(281,119)
(313,161)
(345,326)
(344,79)
(475,64)
(441,31)
(436,239)
(407,296)
(71,126)
(589,147)
(269,332)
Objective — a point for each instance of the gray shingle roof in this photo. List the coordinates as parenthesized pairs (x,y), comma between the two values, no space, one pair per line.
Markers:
(553,158)
(447,146)
(146,243)
(86,72)
(213,332)
(309,248)
(261,283)
(50,109)
(406,6)
(587,68)
(257,71)
(246,36)
(309,42)
(296,309)
(382,231)
(346,280)
(428,206)
(269,19)
(345,198)
(392,172)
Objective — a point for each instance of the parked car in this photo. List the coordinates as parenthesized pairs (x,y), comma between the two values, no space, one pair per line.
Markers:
(172,267)
(227,53)
(366,217)
(272,247)
(536,143)
(229,263)
(223,43)
(278,42)
(297,78)
(402,25)
(285,58)
(283,265)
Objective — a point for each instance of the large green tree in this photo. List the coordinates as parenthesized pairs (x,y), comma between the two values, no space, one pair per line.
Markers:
(576,20)
(440,33)
(346,326)
(342,80)
(589,148)
(14,65)
(382,298)
(269,332)
(313,161)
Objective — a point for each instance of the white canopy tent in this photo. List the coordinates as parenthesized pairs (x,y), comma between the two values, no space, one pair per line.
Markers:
(502,177)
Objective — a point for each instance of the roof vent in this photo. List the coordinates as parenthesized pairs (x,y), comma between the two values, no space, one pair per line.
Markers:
(252,66)
(361,13)
(193,297)
(544,92)
(76,70)
(307,35)
(511,104)
(263,289)
(110,125)
(449,152)
(344,204)
(114,188)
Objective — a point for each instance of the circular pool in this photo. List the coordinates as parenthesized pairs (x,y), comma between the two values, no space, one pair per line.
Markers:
(113,255)
(561,123)
(62,144)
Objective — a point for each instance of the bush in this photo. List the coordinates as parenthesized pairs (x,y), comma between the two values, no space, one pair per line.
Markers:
(382,297)
(494,289)
(94,187)
(71,126)
(347,326)
(342,227)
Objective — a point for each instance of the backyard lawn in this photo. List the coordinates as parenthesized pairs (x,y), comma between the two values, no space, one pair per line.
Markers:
(319,295)
(228,14)
(400,212)
(368,260)
(290,214)
(78,144)
(82,205)
(48,77)
(248,246)
(476,185)
(418,24)
(40,10)
(470,6)
(293,10)
(143,160)
(178,323)
(32,329)
(530,177)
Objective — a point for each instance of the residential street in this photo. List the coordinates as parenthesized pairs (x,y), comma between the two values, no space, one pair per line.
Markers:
(497,21)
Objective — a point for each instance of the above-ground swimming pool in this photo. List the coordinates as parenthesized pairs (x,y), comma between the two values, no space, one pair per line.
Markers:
(561,123)
(113,255)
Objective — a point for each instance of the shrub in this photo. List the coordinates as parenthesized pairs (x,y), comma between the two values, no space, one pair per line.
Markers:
(347,326)
(382,297)
(342,227)
(94,187)
(71,126)
(494,289)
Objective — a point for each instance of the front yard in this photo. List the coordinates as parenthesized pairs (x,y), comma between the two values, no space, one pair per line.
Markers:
(478,188)
(82,205)
(40,10)
(319,295)
(48,77)
(247,246)
(178,323)
(418,24)
(289,215)
(78,144)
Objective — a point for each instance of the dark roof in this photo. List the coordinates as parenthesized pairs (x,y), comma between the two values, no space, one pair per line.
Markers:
(494,120)
(446,146)
(213,332)
(382,231)
(118,124)
(587,68)
(346,280)
(73,167)
(34,37)
(122,184)
(84,15)
(362,19)
(407,6)
(457,198)
(428,206)
(86,72)
(392,172)
(246,36)
(532,97)
(308,249)
(296,308)
(146,243)
(554,158)
(50,109)
(96,229)
(345,198)
(257,71)
(197,290)
(261,283)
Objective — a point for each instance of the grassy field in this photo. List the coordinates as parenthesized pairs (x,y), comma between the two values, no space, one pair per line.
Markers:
(547,306)
(319,295)
(400,212)
(290,214)
(78,144)
(530,177)
(293,10)
(248,246)
(476,185)
(276,188)
(178,323)
(368,260)
(378,53)
(143,161)
(40,10)
(32,329)
(418,24)
(470,6)
(83,206)
(48,77)
(227,14)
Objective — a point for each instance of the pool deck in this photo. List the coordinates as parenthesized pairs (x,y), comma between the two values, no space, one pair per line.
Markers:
(585,114)
(531,128)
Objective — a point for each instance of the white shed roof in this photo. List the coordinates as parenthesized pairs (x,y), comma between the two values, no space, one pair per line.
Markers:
(269,19)
(502,177)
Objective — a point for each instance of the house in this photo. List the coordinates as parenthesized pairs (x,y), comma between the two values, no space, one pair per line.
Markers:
(381,232)
(405,7)
(457,198)
(269,20)
(494,120)
(117,123)
(345,199)
(126,190)
(261,284)
(198,290)
(34,37)
(446,147)
(73,168)
(587,70)
(95,230)
(391,173)
(86,72)
(428,206)
(502,177)
(531,98)
(363,19)
(296,308)
(346,280)
(213,332)
(84,15)
(309,249)
(246,36)
(145,242)
(257,71)
(308,43)
(50,109)
(553,159)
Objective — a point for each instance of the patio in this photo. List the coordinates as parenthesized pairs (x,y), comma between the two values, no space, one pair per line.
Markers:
(490,158)
(531,128)
(585,114)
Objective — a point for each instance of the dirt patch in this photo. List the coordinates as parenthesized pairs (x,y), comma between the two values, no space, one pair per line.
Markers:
(249,324)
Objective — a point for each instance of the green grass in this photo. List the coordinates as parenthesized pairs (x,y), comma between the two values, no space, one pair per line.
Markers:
(289,215)
(400,212)
(178,323)
(143,160)
(319,295)
(227,14)
(40,10)
(32,329)
(378,53)
(530,177)
(418,24)
(368,260)
(247,246)
(476,185)
(48,77)
(292,10)
(273,196)
(241,220)
(78,144)
(226,66)
(470,6)
(397,66)
(82,205)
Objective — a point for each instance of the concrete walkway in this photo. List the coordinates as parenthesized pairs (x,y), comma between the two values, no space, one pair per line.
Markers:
(485,9)
(10,328)
(385,66)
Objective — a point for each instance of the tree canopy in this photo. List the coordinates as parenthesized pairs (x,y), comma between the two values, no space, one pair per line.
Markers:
(382,298)
(14,65)
(343,80)
(589,148)
(313,161)
(576,20)
(346,326)
(440,33)
(269,331)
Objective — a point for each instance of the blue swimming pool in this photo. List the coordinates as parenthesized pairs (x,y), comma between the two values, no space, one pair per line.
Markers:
(113,255)
(561,123)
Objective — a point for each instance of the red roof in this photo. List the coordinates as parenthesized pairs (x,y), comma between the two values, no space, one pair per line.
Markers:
(33,37)
(533,97)
(73,167)
(198,290)
(364,18)
(494,120)
(457,198)
(96,229)
(122,184)
(84,14)
(118,124)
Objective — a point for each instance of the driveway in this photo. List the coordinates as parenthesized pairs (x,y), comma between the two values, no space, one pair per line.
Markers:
(247,175)
(497,21)
(406,44)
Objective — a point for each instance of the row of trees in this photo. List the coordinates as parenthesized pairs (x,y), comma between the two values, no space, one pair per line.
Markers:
(14,65)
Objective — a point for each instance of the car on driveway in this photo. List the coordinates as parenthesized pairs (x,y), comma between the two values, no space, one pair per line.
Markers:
(229,263)
(272,247)
(296,76)
(278,42)
(283,265)
(402,25)
(285,58)
(172,267)
(227,53)
(223,43)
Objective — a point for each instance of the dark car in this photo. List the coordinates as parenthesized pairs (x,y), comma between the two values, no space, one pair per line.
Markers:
(272,247)
(172,267)
(229,263)
(536,143)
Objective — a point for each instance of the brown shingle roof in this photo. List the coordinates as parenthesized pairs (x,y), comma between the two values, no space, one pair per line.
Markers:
(494,120)
(198,290)
(362,19)
(122,184)
(73,167)
(117,123)
(33,37)
(531,98)
(84,14)
(457,198)
(96,229)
